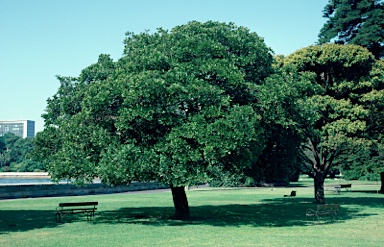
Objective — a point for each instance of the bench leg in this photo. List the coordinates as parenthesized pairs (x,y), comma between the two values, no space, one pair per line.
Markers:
(58,217)
(89,215)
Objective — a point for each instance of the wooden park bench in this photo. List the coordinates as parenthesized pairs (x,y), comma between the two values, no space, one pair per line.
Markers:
(86,208)
(293,194)
(343,186)
(323,210)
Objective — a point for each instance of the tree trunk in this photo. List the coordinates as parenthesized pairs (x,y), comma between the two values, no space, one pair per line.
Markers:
(181,203)
(382,182)
(319,187)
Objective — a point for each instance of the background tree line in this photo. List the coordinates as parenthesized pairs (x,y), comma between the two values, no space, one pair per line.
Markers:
(15,154)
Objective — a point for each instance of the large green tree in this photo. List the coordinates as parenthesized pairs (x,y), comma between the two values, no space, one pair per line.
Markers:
(359,22)
(367,162)
(179,108)
(338,120)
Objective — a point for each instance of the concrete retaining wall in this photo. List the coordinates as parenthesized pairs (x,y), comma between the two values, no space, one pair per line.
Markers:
(24,175)
(44,190)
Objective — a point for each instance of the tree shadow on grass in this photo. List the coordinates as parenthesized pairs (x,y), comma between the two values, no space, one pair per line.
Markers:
(25,220)
(373,202)
(284,212)
(267,213)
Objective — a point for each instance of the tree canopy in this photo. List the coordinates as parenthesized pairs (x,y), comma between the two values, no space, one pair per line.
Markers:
(359,22)
(337,121)
(180,107)
(367,162)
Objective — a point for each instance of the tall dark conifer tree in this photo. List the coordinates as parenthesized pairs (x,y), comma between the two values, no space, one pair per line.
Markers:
(359,22)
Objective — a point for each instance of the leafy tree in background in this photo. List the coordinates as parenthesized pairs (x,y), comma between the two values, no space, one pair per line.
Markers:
(9,154)
(279,162)
(337,116)
(2,144)
(15,154)
(277,101)
(367,162)
(4,157)
(179,108)
(359,22)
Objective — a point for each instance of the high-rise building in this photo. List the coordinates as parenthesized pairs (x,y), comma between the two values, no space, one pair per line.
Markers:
(22,128)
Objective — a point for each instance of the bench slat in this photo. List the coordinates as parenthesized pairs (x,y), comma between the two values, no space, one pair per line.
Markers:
(345,185)
(75,209)
(75,204)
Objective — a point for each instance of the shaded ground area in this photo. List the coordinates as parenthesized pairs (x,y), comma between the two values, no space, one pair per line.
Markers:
(282,212)
(25,220)
(273,213)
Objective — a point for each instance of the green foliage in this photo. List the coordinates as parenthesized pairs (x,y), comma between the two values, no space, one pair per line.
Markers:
(179,107)
(279,104)
(15,154)
(2,144)
(340,70)
(228,179)
(4,155)
(343,116)
(357,22)
(364,161)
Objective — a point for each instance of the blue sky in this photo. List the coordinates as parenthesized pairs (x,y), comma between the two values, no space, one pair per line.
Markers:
(40,39)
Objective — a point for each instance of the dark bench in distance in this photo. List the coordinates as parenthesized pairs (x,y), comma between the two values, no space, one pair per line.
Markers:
(343,186)
(86,208)
(293,194)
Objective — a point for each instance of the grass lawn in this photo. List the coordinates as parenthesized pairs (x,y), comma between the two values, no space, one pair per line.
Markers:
(220,217)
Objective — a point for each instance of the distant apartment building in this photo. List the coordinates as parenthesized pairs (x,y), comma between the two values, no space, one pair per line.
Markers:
(22,128)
